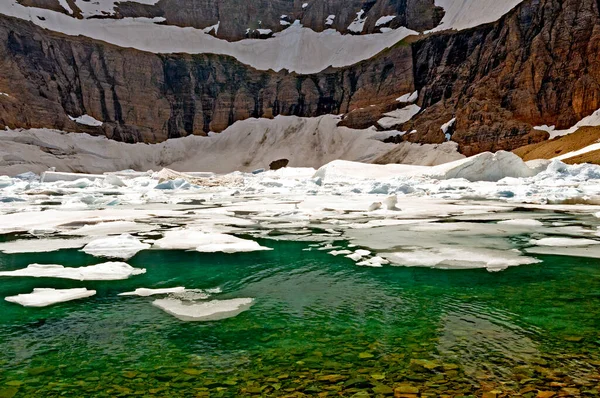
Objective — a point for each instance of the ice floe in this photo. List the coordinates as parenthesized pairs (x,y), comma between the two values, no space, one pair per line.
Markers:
(100,272)
(203,311)
(207,242)
(145,292)
(46,297)
(123,247)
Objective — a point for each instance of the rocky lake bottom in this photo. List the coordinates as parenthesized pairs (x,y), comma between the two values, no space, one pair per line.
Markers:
(318,326)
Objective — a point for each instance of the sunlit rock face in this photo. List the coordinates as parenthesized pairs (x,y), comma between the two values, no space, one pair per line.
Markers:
(175,68)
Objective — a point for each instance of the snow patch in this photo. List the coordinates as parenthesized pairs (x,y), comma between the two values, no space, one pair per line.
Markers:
(384,20)
(358,24)
(86,120)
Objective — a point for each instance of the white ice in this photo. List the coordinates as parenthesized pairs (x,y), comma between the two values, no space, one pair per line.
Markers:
(46,297)
(145,292)
(100,272)
(123,247)
(203,311)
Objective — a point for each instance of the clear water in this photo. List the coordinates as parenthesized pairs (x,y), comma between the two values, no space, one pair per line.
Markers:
(319,326)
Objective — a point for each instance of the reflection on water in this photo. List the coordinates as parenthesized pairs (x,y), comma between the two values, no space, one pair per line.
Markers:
(319,325)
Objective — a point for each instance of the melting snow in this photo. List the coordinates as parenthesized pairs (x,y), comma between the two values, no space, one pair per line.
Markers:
(384,20)
(86,120)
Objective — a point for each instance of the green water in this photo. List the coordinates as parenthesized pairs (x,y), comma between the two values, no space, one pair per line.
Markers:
(319,326)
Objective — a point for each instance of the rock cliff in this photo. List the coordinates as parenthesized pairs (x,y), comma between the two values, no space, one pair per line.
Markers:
(536,65)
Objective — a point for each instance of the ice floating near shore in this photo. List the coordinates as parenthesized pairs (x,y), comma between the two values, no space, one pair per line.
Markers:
(46,297)
(489,211)
(460,258)
(564,242)
(110,271)
(206,242)
(144,292)
(41,245)
(123,247)
(203,311)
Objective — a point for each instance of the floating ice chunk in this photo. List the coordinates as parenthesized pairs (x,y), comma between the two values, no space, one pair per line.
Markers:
(375,262)
(144,292)
(358,254)
(564,242)
(40,245)
(203,311)
(340,252)
(460,258)
(228,244)
(46,297)
(86,120)
(110,271)
(524,222)
(205,242)
(110,228)
(123,246)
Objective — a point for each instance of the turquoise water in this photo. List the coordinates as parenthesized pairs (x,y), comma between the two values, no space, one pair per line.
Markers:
(319,326)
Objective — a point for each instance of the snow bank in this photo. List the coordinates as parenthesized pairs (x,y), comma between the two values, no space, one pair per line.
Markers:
(592,120)
(123,247)
(399,116)
(204,311)
(244,146)
(465,14)
(46,297)
(99,272)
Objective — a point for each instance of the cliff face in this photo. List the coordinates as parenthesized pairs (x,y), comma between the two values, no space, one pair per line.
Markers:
(242,19)
(539,64)
(149,97)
